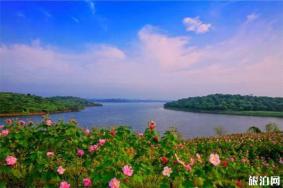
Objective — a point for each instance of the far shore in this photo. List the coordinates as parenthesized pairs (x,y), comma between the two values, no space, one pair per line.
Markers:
(240,113)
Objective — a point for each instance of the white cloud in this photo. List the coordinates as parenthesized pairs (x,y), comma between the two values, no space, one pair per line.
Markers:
(159,65)
(172,53)
(196,25)
(251,17)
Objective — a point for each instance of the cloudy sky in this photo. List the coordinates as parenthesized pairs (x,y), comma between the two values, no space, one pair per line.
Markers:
(157,50)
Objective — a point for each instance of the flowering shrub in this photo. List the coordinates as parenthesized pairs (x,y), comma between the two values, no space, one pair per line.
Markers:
(127,170)
(59,154)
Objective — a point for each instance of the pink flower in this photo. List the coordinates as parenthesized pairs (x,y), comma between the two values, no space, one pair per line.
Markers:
(48,122)
(188,167)
(64,184)
(80,152)
(21,122)
(281,160)
(60,170)
(50,154)
(127,170)
(11,160)
(5,132)
(9,121)
(214,159)
(101,142)
(87,182)
(166,171)
(92,148)
(114,183)
(1,126)
(140,134)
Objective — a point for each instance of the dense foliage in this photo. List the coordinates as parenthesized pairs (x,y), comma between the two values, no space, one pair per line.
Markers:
(21,103)
(223,102)
(61,155)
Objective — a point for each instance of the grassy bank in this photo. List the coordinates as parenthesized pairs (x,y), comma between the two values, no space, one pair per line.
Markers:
(242,113)
(53,154)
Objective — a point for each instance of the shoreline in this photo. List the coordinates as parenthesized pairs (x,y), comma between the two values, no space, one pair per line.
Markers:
(42,113)
(236,113)
(32,114)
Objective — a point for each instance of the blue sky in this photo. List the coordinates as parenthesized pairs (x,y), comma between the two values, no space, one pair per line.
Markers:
(72,23)
(141,49)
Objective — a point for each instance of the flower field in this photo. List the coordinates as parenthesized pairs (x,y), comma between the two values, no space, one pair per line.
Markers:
(61,154)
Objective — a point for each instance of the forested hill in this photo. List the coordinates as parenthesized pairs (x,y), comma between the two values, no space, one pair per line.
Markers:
(11,103)
(235,104)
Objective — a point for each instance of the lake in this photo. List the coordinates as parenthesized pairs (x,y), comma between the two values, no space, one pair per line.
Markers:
(136,115)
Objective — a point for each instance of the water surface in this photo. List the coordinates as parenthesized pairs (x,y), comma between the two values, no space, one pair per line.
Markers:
(136,115)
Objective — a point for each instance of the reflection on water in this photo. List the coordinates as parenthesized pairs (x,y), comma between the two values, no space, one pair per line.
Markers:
(136,115)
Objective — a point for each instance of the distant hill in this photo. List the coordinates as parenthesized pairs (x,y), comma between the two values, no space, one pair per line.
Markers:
(125,100)
(230,104)
(22,104)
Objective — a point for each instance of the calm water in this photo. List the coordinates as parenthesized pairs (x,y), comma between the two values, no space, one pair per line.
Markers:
(137,115)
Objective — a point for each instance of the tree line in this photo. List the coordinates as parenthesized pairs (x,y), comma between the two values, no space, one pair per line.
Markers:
(227,102)
(28,103)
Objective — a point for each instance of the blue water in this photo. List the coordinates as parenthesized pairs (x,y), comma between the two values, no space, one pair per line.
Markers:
(136,115)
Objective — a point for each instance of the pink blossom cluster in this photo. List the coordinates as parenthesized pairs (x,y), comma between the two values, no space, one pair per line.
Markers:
(114,183)
(87,182)
(64,184)
(11,160)
(48,122)
(128,170)
(214,159)
(166,171)
(4,132)
(80,152)
(60,170)
(95,147)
